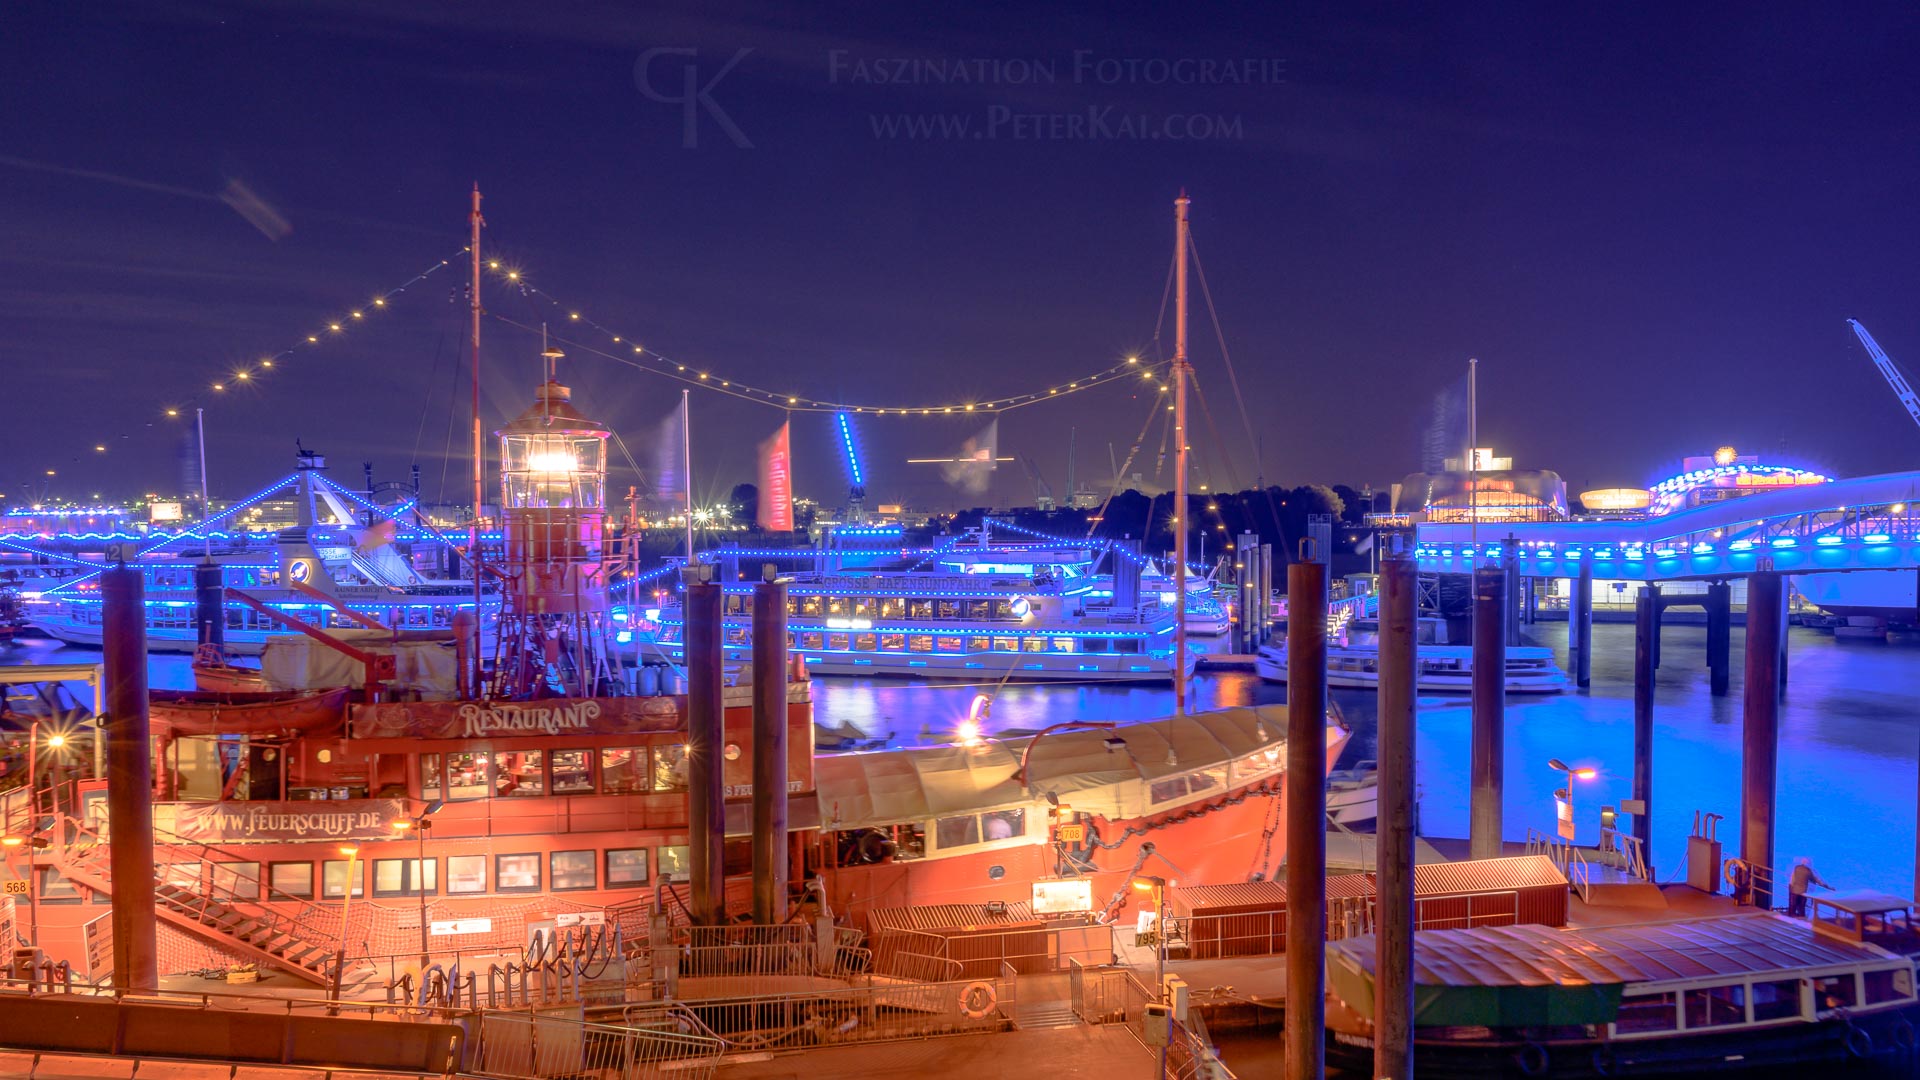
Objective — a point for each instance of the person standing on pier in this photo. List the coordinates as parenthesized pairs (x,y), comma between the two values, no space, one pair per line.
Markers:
(1802,879)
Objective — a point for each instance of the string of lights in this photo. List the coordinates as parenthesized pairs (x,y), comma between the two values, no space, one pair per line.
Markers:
(633,354)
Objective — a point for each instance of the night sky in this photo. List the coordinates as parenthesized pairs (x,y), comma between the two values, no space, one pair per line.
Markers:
(1649,225)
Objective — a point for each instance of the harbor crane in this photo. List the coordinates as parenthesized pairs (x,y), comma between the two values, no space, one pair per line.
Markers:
(1888,371)
(1042,491)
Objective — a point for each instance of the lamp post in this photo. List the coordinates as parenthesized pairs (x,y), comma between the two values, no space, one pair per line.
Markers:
(419,826)
(56,742)
(32,844)
(1158,886)
(346,910)
(1566,793)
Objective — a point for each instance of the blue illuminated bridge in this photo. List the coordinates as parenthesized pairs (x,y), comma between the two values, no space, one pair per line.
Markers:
(1865,523)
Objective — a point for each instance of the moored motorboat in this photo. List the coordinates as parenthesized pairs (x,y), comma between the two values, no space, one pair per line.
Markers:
(1718,994)
(1440,668)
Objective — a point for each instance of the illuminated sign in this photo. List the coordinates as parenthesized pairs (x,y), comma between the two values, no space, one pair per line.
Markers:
(1062,896)
(165,511)
(451,927)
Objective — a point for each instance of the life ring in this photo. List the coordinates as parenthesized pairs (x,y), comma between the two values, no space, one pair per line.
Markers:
(1859,1042)
(1903,1034)
(977,1000)
(1531,1060)
(1734,871)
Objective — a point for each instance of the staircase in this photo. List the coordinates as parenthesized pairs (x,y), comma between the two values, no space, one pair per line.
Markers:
(288,934)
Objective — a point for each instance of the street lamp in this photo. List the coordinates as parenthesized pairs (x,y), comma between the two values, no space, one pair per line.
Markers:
(419,826)
(1565,794)
(32,844)
(346,909)
(1158,886)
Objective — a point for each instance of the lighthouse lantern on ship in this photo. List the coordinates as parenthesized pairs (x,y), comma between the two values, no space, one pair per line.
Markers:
(553,624)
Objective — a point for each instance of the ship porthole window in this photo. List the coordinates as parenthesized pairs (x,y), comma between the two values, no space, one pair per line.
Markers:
(732,752)
(324,756)
(996,872)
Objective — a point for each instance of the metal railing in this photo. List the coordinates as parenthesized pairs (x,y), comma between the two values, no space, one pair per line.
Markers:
(1261,933)
(526,1046)
(1030,950)
(1624,851)
(855,1014)
(218,897)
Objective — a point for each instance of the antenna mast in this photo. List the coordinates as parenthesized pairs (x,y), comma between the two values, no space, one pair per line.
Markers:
(474,559)
(1181,367)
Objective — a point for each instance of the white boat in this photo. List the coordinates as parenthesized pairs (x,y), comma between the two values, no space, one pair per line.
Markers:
(1354,663)
(983,617)
(340,574)
(1353,795)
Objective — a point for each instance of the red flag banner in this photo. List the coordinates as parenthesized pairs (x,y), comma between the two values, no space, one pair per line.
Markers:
(776,483)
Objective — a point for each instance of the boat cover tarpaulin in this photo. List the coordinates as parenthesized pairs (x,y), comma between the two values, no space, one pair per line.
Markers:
(1515,976)
(916,783)
(298,662)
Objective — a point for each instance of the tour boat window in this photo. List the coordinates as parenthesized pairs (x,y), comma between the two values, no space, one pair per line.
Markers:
(1006,644)
(920,609)
(893,642)
(810,605)
(920,643)
(520,772)
(1173,787)
(1062,644)
(1887,985)
(736,635)
(293,879)
(893,607)
(1714,1006)
(950,644)
(1004,824)
(978,643)
(1778,1000)
(676,863)
(734,603)
(201,768)
(240,880)
(1834,992)
(836,605)
(516,873)
(623,770)
(1093,644)
(1207,779)
(952,832)
(333,879)
(792,606)
(837,642)
(1034,644)
(979,610)
(430,776)
(812,641)
(1126,645)
(572,773)
(466,874)
(863,642)
(670,767)
(467,776)
(572,870)
(949,609)
(418,616)
(403,877)
(1003,610)
(626,866)
(1646,1012)
(864,606)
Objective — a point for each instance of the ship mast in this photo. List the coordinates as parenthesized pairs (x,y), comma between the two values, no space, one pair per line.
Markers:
(474,561)
(1181,367)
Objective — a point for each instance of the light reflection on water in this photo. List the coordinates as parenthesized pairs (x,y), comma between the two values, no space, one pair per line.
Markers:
(1849,740)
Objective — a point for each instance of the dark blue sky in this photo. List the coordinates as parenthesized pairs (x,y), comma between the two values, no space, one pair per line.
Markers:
(1648,224)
